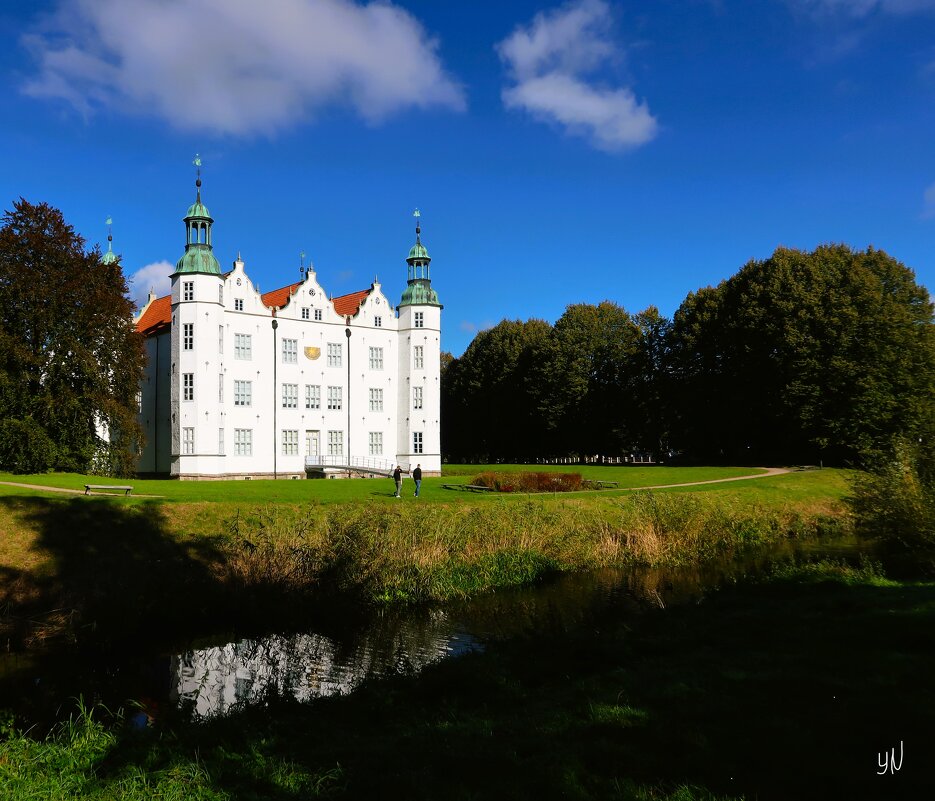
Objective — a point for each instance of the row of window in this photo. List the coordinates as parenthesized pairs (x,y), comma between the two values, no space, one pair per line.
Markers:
(243,349)
(289,442)
(188,293)
(243,395)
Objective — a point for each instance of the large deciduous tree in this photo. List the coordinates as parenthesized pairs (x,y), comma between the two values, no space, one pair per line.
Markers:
(70,359)
(805,356)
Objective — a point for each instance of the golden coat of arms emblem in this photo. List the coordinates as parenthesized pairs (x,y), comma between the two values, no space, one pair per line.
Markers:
(312,353)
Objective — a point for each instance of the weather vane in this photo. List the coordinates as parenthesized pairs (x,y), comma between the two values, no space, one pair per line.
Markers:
(302,262)
(417,214)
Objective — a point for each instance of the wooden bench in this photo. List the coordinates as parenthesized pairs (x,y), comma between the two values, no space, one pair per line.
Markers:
(467,487)
(88,487)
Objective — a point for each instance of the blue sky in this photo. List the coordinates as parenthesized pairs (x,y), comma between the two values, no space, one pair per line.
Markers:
(559,153)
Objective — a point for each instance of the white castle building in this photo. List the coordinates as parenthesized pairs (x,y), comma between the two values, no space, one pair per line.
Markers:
(288,383)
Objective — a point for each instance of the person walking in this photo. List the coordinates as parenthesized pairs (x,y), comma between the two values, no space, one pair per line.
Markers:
(398,478)
(417,477)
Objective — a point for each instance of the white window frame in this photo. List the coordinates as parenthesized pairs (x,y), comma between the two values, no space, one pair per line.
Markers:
(417,397)
(289,442)
(420,320)
(220,387)
(335,443)
(238,306)
(221,441)
(220,339)
(376,358)
(290,396)
(243,393)
(417,442)
(243,347)
(305,313)
(378,322)
(312,396)
(188,290)
(188,441)
(243,442)
(418,357)
(290,351)
(188,386)
(188,336)
(334,354)
(335,398)
(376,399)
(318,314)
(376,443)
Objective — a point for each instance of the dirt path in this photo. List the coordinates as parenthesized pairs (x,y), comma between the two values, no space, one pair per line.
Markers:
(770,471)
(72,491)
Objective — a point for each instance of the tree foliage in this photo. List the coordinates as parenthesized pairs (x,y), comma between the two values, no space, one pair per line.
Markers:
(70,360)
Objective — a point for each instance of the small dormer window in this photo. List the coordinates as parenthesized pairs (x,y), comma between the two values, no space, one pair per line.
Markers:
(188,290)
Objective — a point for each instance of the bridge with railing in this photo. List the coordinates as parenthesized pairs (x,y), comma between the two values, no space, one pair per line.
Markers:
(354,464)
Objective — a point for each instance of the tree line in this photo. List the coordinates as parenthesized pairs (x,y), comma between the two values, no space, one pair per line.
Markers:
(804,357)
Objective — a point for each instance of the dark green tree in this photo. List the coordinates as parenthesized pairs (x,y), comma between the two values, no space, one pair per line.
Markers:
(827,355)
(70,359)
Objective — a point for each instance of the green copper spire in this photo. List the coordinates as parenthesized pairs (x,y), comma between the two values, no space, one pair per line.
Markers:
(418,291)
(109,257)
(198,256)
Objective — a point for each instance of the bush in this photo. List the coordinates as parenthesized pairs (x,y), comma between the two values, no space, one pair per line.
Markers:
(25,447)
(529,482)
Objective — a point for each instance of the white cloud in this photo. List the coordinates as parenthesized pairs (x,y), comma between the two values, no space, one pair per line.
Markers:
(155,276)
(238,66)
(928,200)
(549,59)
(862,8)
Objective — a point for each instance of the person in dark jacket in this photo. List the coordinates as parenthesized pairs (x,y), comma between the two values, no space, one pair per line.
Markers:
(417,477)
(398,478)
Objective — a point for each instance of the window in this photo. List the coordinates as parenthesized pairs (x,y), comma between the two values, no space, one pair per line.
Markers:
(334,354)
(417,442)
(335,443)
(376,400)
(290,443)
(188,386)
(418,361)
(335,397)
(221,388)
(317,314)
(188,336)
(221,441)
(420,320)
(376,358)
(290,396)
(243,346)
(188,440)
(243,393)
(290,351)
(238,304)
(188,290)
(243,442)
(220,339)
(417,397)
(305,311)
(139,401)
(312,397)
(221,295)
(378,322)
(376,443)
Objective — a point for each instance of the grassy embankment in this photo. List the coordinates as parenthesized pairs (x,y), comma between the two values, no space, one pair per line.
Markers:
(788,688)
(226,551)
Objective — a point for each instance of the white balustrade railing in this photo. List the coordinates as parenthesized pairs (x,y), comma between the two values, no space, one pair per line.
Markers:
(354,462)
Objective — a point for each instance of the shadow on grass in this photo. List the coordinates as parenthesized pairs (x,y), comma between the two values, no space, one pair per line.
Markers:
(111,569)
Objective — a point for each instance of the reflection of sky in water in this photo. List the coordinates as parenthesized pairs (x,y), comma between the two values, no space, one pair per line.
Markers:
(214,680)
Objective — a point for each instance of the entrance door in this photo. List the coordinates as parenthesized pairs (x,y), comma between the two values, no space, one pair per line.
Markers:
(312,443)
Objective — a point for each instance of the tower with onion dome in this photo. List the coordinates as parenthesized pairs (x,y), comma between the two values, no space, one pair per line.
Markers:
(419,390)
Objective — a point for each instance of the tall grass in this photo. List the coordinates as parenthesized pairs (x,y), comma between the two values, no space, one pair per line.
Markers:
(437,552)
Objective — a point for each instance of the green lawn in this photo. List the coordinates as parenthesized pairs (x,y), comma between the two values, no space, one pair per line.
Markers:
(821,483)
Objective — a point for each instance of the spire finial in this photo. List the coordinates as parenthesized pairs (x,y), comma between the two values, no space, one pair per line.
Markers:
(197,162)
(110,231)
(417,214)
(302,262)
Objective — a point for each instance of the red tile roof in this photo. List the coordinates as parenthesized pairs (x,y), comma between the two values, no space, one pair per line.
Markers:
(279,297)
(156,317)
(349,305)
